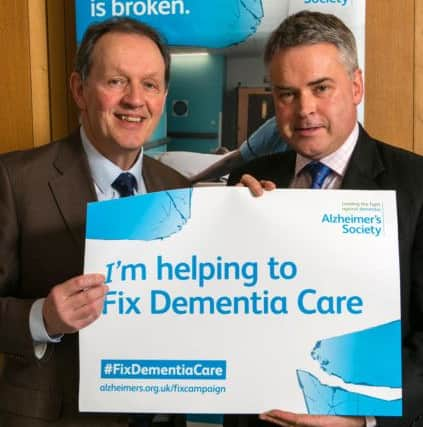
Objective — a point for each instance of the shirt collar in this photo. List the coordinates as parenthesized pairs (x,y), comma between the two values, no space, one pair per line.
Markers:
(103,171)
(338,160)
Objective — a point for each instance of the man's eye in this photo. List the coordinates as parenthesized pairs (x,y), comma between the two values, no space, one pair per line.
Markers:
(321,88)
(151,86)
(286,96)
(117,82)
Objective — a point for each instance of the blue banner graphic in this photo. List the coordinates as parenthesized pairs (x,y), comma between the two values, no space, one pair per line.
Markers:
(216,24)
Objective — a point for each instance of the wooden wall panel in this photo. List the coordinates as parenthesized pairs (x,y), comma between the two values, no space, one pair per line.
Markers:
(70,31)
(39,71)
(389,96)
(418,80)
(37,38)
(61,46)
(57,66)
(16,126)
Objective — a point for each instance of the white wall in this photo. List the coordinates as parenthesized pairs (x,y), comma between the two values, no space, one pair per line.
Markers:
(244,71)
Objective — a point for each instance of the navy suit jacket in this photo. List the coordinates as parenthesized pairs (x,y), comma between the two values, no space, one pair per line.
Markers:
(377,166)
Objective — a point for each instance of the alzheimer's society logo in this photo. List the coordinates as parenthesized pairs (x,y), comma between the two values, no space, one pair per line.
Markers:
(357,218)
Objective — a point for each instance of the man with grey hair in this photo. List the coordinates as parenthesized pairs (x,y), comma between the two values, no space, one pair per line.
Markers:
(317,86)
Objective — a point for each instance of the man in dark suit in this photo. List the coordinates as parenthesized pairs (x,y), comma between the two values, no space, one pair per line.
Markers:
(317,85)
(120,85)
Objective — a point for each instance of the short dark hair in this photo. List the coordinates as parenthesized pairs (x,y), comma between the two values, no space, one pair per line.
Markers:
(94,32)
(307,28)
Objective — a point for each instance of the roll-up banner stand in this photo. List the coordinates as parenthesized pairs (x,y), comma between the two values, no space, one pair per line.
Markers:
(217,55)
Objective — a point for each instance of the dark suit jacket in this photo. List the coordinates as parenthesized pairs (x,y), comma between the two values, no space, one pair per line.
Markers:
(43,197)
(378,166)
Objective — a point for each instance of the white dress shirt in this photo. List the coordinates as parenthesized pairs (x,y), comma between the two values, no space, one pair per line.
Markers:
(336,161)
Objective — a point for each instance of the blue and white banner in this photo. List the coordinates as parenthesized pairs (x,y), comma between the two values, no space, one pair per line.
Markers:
(217,48)
(223,303)
(213,24)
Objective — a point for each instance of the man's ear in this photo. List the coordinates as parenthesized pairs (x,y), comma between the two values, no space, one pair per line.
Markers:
(164,100)
(358,86)
(77,88)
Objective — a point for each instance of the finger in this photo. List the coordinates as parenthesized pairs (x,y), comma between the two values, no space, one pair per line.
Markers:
(284,418)
(274,420)
(253,184)
(267,185)
(87,314)
(80,283)
(86,297)
(74,320)
(278,415)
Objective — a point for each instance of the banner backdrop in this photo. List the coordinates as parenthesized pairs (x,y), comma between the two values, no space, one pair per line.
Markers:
(232,33)
(217,23)
(195,23)
(223,303)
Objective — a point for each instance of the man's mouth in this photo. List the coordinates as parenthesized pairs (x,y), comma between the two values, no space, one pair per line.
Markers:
(131,119)
(308,127)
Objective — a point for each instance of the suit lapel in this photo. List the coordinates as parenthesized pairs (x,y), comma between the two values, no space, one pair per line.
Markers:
(281,169)
(287,173)
(72,187)
(156,177)
(365,165)
(150,178)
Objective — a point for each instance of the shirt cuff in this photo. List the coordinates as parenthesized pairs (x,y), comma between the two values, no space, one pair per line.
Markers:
(39,334)
(371,422)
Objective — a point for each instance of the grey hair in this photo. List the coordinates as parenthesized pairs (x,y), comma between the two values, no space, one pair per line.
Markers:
(308,28)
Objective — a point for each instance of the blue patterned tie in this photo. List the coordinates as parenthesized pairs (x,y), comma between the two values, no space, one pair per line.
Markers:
(319,172)
(125,184)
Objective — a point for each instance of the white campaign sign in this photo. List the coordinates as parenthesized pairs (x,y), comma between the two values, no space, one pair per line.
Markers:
(224,303)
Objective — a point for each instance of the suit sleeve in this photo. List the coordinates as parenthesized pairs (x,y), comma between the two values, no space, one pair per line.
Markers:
(412,316)
(256,168)
(15,337)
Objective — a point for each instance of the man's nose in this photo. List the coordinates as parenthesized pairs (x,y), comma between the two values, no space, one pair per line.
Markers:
(306,104)
(134,95)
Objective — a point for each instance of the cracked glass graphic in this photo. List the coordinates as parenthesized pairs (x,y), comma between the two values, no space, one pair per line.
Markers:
(165,212)
(324,399)
(207,24)
(370,357)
